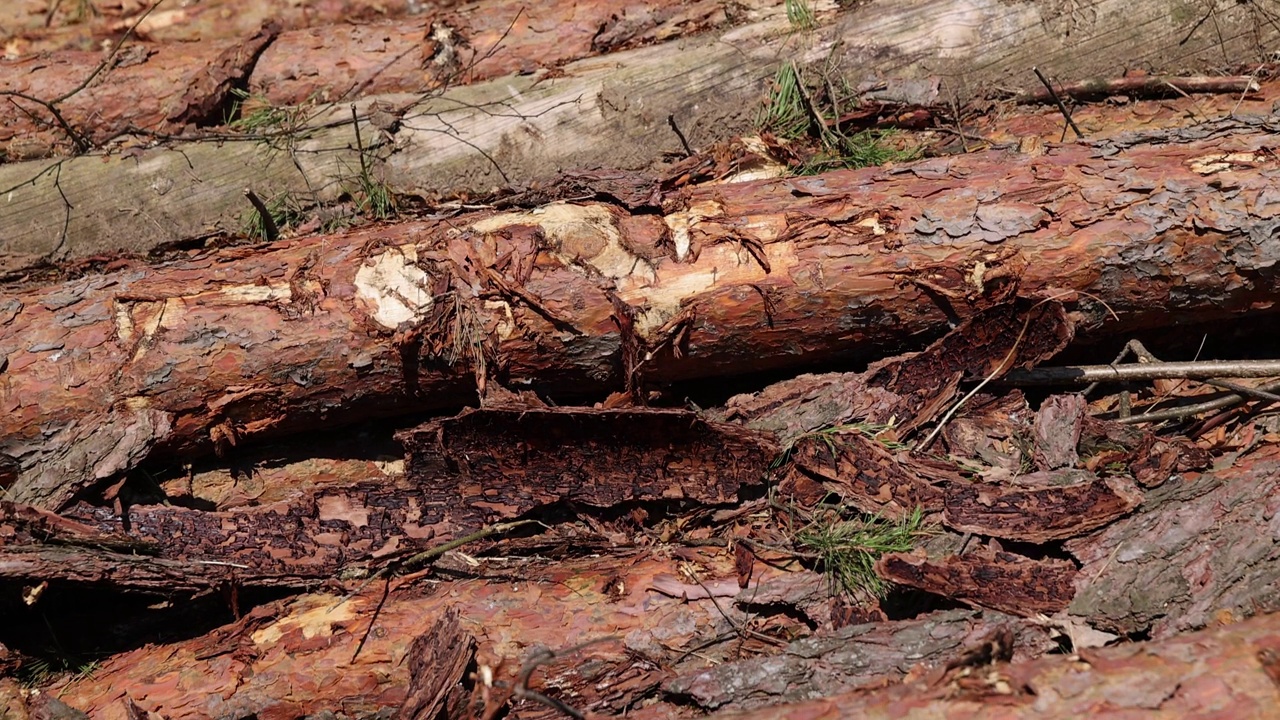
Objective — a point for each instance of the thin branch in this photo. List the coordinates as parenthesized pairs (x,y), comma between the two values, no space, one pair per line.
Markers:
(1198,370)
(1061,107)
(269,228)
(1185,411)
(671,120)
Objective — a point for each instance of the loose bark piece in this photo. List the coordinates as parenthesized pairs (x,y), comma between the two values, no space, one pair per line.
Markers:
(991,342)
(1225,669)
(1151,459)
(1039,507)
(864,474)
(988,578)
(247,343)
(1057,430)
(858,656)
(507,462)
(437,660)
(1200,547)
(913,390)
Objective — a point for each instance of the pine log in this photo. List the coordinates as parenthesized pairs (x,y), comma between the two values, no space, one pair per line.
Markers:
(584,298)
(164,87)
(608,111)
(38,26)
(296,657)
(642,638)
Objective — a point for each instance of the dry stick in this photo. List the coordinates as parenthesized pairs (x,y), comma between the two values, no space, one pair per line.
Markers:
(355,122)
(1196,370)
(671,120)
(1061,107)
(1178,413)
(269,228)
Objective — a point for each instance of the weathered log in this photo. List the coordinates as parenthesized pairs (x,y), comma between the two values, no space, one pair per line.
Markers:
(164,87)
(606,111)
(1163,228)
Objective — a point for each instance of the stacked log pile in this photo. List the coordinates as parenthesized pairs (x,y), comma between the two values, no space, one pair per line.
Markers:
(688,433)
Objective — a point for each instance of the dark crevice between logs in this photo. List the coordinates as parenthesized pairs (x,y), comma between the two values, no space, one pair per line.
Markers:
(74,625)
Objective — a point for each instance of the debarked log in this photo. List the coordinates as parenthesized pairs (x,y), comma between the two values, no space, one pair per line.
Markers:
(1141,231)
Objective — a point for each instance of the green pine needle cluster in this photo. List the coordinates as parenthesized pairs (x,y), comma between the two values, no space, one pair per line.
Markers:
(847,550)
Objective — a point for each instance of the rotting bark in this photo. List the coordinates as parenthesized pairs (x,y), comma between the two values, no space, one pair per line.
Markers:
(987,577)
(519,129)
(463,473)
(506,462)
(1162,228)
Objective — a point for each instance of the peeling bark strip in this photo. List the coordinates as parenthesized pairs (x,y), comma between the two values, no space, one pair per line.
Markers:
(1039,507)
(987,578)
(482,467)
(1163,228)
(507,462)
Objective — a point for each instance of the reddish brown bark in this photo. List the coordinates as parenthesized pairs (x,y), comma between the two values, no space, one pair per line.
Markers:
(737,278)
(1202,550)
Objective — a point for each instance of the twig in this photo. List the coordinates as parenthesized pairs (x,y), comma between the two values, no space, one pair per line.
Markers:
(1185,411)
(355,121)
(1198,370)
(1061,107)
(671,120)
(269,228)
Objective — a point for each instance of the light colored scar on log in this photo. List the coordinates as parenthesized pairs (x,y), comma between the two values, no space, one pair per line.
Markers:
(149,316)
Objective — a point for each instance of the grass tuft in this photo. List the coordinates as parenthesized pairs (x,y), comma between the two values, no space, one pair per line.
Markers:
(847,550)
(794,112)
